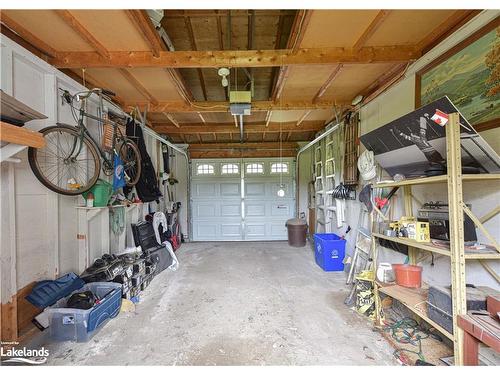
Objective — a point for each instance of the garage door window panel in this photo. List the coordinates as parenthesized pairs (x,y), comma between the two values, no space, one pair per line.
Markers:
(205,169)
(255,168)
(228,169)
(279,168)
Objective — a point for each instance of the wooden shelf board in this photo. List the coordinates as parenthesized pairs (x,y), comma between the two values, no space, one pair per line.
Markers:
(437,179)
(435,249)
(414,299)
(413,243)
(21,136)
(482,256)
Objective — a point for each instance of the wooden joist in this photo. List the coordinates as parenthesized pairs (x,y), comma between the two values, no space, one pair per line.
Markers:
(140,19)
(218,106)
(303,117)
(246,145)
(219,154)
(371,29)
(27,36)
(307,126)
(239,58)
(129,77)
(72,22)
(172,119)
(21,136)
(327,83)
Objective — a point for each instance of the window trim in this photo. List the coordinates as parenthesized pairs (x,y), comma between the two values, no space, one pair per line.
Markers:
(234,170)
(209,171)
(255,163)
(285,170)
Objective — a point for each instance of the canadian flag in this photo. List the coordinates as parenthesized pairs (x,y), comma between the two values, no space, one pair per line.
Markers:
(440,118)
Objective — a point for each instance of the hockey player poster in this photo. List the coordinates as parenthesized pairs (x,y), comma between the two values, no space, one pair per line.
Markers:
(414,145)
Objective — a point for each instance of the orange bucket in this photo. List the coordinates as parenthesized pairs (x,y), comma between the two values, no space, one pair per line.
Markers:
(408,275)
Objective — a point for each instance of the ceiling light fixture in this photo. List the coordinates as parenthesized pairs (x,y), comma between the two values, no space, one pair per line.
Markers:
(224,72)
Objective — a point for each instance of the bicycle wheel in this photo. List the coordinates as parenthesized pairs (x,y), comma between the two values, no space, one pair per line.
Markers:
(131,158)
(60,166)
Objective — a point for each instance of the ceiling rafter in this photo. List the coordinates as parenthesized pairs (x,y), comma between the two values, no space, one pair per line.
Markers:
(220,35)
(238,58)
(174,13)
(139,86)
(81,30)
(227,154)
(269,114)
(445,28)
(294,40)
(247,145)
(172,119)
(223,106)
(91,82)
(274,127)
(327,83)
(143,24)
(371,29)
(303,117)
(189,27)
(27,36)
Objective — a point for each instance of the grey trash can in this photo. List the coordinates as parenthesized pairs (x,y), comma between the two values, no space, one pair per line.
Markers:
(297,232)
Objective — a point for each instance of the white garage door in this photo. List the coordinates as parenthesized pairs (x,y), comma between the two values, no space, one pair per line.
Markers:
(237,199)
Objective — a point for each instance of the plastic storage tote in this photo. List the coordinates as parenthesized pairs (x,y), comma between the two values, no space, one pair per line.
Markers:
(80,325)
(329,251)
(47,292)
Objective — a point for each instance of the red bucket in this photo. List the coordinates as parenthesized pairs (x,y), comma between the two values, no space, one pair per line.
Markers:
(408,275)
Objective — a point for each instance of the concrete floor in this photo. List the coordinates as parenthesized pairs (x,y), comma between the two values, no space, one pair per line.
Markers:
(246,303)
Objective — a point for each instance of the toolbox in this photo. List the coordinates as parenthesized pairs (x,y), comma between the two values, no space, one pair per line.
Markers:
(439,306)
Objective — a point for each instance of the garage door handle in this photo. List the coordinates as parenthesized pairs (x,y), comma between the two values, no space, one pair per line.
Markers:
(282,206)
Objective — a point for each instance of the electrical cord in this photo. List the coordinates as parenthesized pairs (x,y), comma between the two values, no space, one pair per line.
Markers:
(407,331)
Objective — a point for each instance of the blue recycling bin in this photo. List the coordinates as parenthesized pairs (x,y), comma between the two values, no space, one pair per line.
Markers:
(329,251)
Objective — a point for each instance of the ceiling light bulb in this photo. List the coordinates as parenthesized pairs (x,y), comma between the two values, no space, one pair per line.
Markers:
(224,82)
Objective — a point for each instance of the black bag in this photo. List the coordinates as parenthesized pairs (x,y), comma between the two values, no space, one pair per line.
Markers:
(144,236)
(82,300)
(147,187)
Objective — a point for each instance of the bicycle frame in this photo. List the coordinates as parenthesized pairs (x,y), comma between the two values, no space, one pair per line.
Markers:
(84,132)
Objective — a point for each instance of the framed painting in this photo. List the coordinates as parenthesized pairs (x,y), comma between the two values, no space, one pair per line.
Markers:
(469,74)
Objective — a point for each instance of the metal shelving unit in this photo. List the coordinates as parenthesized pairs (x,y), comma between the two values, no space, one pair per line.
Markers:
(454,180)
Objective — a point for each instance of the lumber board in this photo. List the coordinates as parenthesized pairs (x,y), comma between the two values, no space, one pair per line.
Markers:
(237,58)
(21,136)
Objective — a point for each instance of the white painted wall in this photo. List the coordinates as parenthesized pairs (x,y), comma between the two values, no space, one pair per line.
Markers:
(39,227)
(398,101)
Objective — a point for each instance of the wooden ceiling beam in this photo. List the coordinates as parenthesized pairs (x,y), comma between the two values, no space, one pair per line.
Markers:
(189,27)
(371,29)
(296,36)
(174,13)
(303,117)
(228,154)
(220,35)
(222,107)
(327,83)
(172,119)
(26,35)
(141,20)
(274,127)
(446,28)
(239,58)
(246,145)
(129,77)
(91,82)
(72,22)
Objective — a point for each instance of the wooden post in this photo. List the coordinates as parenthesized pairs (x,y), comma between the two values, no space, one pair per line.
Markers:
(457,252)
(412,252)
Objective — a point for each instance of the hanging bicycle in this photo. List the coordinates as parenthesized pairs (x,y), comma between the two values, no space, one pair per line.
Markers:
(71,160)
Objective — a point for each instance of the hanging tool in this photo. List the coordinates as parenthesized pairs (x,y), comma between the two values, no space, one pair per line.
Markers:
(382,202)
